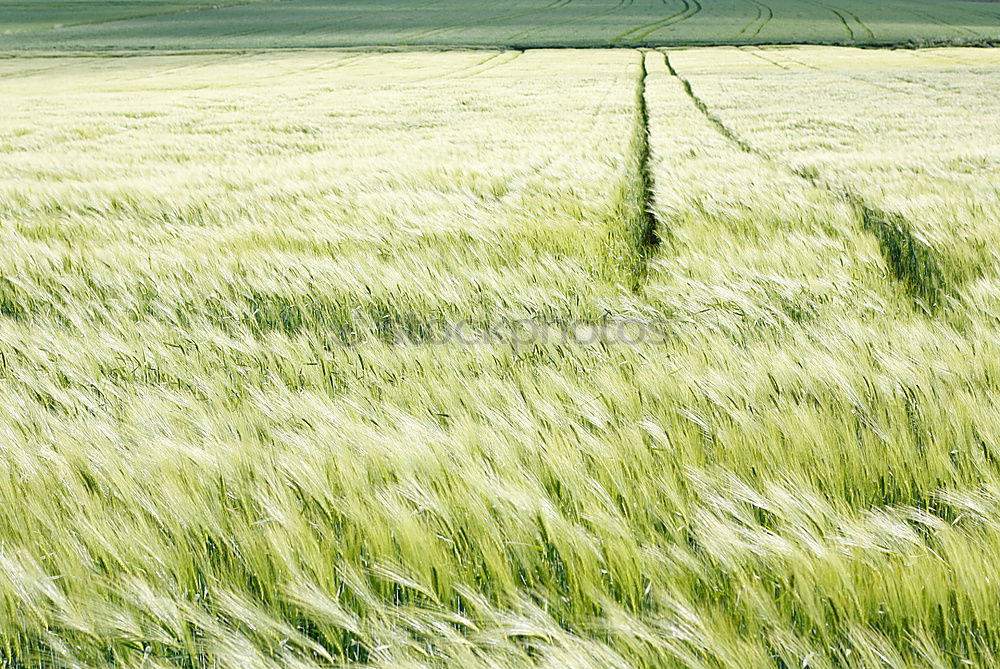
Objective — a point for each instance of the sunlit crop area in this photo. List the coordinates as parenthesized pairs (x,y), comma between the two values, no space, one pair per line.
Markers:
(601,358)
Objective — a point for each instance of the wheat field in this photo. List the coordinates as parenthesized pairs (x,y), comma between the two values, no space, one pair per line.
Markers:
(599,358)
(86,25)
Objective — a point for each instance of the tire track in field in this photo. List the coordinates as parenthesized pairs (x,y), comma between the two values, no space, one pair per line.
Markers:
(764,16)
(843,15)
(267,27)
(350,19)
(593,15)
(848,30)
(847,26)
(861,24)
(864,26)
(175,12)
(627,33)
(947,95)
(493,63)
(942,22)
(914,264)
(460,70)
(15,74)
(696,8)
(951,94)
(691,8)
(798,62)
(516,183)
(493,19)
(553,6)
(752,21)
(189,66)
(927,96)
(343,21)
(756,53)
(632,232)
(200,65)
(759,53)
(649,231)
(322,67)
(475,69)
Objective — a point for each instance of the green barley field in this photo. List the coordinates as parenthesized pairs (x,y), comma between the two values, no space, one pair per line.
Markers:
(498,358)
(90,25)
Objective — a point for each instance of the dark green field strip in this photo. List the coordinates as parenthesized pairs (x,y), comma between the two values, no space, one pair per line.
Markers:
(35,15)
(525,23)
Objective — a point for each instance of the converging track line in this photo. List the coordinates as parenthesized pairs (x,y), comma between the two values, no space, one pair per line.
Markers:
(913,264)
(691,8)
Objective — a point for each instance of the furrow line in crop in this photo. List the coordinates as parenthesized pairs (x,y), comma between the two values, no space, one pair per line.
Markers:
(933,19)
(494,63)
(31,72)
(174,12)
(515,184)
(600,13)
(843,19)
(462,70)
(760,56)
(768,16)
(913,263)
(764,16)
(848,30)
(754,20)
(693,8)
(324,67)
(493,19)
(861,24)
(355,17)
(658,22)
(797,62)
(864,26)
(948,97)
(633,234)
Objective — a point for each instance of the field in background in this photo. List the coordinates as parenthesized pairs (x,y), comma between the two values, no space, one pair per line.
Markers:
(515,24)
(758,428)
(19,16)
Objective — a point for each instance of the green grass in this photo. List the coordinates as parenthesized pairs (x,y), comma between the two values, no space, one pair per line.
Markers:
(54,15)
(524,23)
(236,432)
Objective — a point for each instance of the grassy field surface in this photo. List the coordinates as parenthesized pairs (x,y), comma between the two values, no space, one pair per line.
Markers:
(755,428)
(17,16)
(419,187)
(521,23)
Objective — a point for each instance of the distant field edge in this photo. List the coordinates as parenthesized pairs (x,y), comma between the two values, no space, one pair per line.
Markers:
(123,52)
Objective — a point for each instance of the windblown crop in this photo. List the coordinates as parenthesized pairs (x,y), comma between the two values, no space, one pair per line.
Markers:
(252,24)
(239,428)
